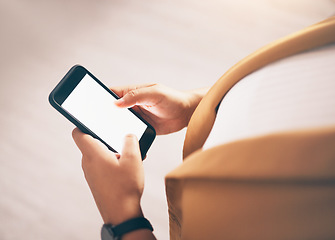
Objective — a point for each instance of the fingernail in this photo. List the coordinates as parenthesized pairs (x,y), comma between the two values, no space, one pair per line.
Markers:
(130,135)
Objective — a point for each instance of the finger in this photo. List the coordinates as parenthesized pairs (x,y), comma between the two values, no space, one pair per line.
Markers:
(88,145)
(142,96)
(131,150)
(123,90)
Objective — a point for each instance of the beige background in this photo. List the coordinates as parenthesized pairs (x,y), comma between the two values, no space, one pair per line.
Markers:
(180,43)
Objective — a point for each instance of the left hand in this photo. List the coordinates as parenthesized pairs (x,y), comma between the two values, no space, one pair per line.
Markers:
(116,181)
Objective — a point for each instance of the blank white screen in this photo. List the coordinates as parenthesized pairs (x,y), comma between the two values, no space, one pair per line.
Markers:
(94,107)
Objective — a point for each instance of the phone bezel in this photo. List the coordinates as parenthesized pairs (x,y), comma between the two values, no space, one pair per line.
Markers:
(69,83)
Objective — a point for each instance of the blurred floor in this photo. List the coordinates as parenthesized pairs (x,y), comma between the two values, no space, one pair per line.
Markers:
(183,44)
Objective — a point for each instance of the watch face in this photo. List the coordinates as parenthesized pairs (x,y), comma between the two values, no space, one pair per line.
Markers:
(107,234)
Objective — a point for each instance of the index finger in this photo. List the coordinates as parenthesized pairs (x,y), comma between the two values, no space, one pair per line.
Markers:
(123,90)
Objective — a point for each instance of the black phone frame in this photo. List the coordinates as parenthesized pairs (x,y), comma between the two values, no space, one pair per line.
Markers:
(69,83)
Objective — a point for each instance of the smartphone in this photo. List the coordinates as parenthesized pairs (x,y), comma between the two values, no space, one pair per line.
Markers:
(89,104)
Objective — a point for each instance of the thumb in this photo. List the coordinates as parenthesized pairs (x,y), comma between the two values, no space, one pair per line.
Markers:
(131,150)
(140,96)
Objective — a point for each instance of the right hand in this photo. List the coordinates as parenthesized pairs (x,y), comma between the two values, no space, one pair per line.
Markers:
(166,109)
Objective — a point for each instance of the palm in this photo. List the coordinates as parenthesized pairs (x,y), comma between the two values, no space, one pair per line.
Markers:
(164,119)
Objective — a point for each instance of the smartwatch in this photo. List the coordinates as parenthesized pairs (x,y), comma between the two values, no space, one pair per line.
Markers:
(110,232)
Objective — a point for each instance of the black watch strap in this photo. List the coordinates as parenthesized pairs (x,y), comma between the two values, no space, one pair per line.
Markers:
(128,226)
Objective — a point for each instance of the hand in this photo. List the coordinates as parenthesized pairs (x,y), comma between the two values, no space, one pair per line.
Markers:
(116,181)
(166,109)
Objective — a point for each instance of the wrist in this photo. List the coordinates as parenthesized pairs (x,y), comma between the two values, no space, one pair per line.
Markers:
(195,96)
(118,214)
(135,228)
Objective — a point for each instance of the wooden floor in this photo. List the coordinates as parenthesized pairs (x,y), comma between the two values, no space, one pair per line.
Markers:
(180,43)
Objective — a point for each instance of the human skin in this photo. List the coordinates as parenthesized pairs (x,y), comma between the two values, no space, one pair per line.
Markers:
(166,109)
(117,180)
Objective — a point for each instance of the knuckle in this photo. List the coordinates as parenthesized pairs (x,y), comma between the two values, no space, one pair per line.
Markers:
(130,154)
(133,93)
